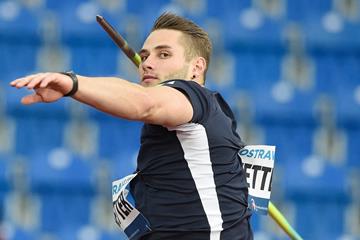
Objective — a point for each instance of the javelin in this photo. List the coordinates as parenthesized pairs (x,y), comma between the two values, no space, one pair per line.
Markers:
(119,40)
(277,216)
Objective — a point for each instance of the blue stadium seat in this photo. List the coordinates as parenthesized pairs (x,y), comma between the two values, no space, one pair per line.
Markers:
(4,169)
(147,11)
(19,59)
(292,143)
(75,31)
(93,232)
(338,76)
(299,11)
(118,235)
(34,133)
(118,137)
(329,185)
(237,36)
(84,57)
(222,9)
(258,74)
(21,29)
(22,234)
(70,25)
(4,183)
(320,219)
(347,79)
(52,174)
(353,150)
(124,165)
(245,75)
(64,212)
(325,72)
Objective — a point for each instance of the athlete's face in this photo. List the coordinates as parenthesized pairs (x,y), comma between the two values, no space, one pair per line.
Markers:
(163,58)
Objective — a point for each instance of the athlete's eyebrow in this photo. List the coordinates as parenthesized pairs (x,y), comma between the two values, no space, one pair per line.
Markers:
(159,47)
(143,51)
(162,47)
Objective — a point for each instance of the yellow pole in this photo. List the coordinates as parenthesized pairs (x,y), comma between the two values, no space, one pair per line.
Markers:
(282,222)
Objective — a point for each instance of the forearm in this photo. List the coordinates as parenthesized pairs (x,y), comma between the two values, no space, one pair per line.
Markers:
(115,96)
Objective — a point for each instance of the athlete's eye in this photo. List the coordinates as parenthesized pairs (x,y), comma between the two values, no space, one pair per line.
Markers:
(164,55)
(143,57)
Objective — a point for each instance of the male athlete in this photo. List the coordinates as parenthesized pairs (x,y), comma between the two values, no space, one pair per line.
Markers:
(191,184)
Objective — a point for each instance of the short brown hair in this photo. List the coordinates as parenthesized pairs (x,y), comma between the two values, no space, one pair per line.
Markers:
(198,40)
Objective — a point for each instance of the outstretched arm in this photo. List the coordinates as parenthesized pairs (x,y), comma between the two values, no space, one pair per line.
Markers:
(157,105)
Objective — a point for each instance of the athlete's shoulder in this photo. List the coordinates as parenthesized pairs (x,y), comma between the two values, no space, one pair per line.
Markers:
(181,82)
(200,98)
(187,86)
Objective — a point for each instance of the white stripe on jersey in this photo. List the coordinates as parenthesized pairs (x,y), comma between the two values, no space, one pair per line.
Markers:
(194,142)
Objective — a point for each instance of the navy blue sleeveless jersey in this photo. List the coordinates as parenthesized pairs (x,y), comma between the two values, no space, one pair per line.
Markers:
(190,176)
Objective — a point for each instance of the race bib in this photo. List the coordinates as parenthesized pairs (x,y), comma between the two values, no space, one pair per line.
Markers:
(127,217)
(258,163)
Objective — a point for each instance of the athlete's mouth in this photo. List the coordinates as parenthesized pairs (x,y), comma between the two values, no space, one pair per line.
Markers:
(149,78)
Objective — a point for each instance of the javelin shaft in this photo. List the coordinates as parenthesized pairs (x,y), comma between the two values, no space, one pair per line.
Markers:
(119,40)
(282,222)
(135,58)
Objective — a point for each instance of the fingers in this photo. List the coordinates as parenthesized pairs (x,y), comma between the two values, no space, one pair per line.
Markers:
(31,81)
(21,82)
(36,80)
(49,87)
(30,99)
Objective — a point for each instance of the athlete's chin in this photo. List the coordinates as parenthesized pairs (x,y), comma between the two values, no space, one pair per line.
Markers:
(150,82)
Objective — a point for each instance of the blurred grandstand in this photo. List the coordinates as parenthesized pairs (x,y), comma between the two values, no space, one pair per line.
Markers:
(290,69)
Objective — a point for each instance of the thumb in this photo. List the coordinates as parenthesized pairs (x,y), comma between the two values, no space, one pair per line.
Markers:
(30,99)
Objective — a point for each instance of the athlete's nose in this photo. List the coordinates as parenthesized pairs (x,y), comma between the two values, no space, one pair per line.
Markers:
(147,64)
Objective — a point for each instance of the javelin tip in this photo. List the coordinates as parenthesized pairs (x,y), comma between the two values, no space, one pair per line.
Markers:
(99,17)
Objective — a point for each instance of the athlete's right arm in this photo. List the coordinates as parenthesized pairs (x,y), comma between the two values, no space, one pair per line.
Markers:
(121,98)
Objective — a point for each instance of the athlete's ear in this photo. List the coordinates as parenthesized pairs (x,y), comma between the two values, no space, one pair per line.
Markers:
(198,68)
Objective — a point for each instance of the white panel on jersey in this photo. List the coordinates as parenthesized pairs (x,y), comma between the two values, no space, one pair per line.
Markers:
(194,142)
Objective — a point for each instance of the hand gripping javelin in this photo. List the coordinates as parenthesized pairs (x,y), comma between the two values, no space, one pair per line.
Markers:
(277,216)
